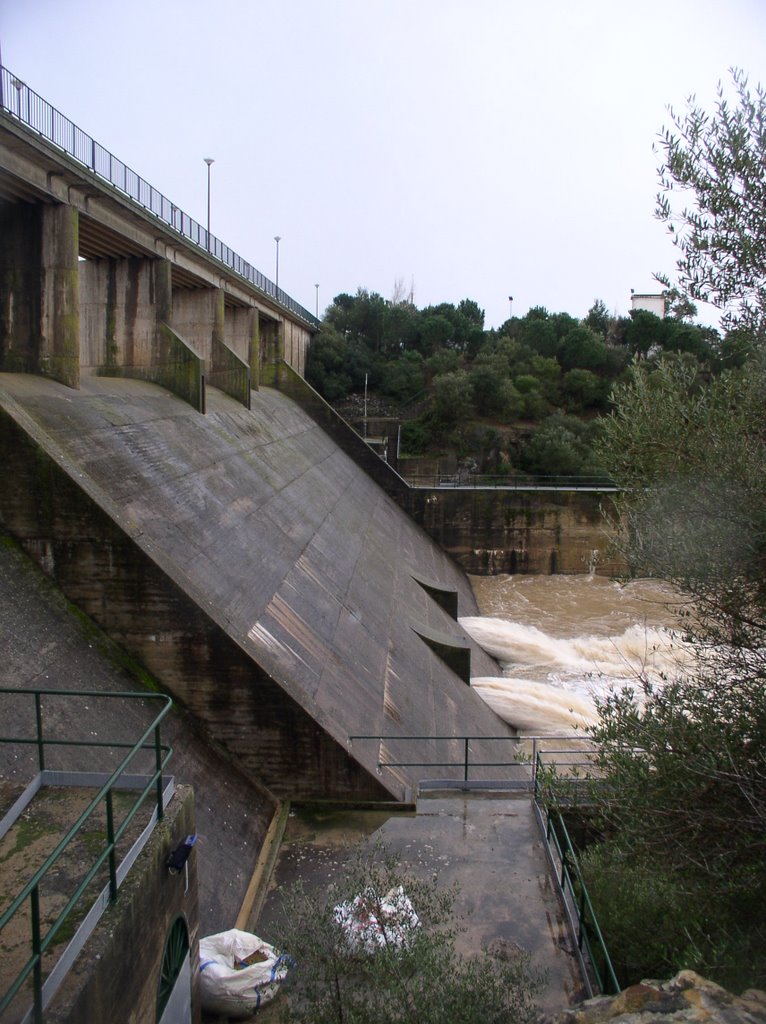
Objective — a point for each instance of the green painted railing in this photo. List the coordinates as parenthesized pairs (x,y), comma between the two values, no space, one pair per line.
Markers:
(149,740)
(517,482)
(565,862)
(587,930)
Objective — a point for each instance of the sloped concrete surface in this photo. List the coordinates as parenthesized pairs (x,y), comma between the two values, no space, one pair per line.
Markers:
(280,539)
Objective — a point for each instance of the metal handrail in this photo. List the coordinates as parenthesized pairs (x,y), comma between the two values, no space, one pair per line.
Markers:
(30,109)
(587,931)
(466,762)
(585,927)
(31,890)
(511,482)
(571,882)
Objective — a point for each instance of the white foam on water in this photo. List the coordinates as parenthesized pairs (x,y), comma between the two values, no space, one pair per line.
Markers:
(536,708)
(549,682)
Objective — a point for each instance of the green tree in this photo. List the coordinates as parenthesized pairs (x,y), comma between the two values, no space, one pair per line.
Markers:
(488,377)
(327,365)
(435,331)
(548,372)
(691,454)
(452,397)
(534,404)
(583,349)
(712,197)
(403,378)
(680,879)
(644,332)
(583,390)
(598,318)
(561,446)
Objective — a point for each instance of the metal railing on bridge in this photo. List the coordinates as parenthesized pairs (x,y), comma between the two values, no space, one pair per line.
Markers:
(150,789)
(518,482)
(24,104)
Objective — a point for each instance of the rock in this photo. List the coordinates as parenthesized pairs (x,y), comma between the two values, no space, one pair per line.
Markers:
(687,998)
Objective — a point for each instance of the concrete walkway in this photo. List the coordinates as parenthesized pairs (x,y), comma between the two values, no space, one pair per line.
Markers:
(491,847)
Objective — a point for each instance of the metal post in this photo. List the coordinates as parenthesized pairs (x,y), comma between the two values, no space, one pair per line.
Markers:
(208,160)
(40,741)
(465,760)
(110,841)
(36,952)
(317,307)
(277,239)
(158,762)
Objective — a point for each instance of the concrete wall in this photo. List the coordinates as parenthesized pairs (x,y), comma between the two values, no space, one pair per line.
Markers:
(122,302)
(295,345)
(39,291)
(495,531)
(283,377)
(241,332)
(197,317)
(20,296)
(117,976)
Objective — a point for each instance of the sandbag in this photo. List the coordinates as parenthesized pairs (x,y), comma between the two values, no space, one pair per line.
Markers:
(370,922)
(239,973)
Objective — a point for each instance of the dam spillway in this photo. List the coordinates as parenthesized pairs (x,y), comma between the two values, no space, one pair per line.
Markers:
(252,568)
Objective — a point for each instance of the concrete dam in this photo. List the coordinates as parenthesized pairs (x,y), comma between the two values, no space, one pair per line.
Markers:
(252,568)
(210,528)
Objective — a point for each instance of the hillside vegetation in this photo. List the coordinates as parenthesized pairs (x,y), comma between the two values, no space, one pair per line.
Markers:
(525,398)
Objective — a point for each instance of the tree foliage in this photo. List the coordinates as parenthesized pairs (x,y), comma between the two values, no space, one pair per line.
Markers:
(439,364)
(419,979)
(712,197)
(691,454)
(679,881)
(681,876)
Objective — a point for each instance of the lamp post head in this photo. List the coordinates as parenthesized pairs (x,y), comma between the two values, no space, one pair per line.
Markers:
(277,239)
(208,160)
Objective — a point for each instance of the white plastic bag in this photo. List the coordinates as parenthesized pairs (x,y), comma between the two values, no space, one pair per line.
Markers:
(370,922)
(238,973)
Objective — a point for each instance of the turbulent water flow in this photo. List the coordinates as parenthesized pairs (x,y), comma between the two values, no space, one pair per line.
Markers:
(563,640)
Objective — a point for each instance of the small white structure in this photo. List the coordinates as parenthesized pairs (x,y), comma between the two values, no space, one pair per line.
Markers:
(651,303)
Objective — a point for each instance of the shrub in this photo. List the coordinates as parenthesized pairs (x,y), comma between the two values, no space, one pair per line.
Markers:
(419,979)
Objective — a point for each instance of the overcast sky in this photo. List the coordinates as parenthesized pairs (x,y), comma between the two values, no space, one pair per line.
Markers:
(467,148)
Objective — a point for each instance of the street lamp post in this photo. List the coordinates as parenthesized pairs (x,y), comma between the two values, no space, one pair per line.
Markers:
(317,288)
(208,160)
(510,300)
(276,275)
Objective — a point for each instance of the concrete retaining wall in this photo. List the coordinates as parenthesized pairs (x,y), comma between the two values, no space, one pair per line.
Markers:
(496,531)
(117,976)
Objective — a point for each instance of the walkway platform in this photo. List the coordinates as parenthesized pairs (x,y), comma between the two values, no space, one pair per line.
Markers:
(489,844)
